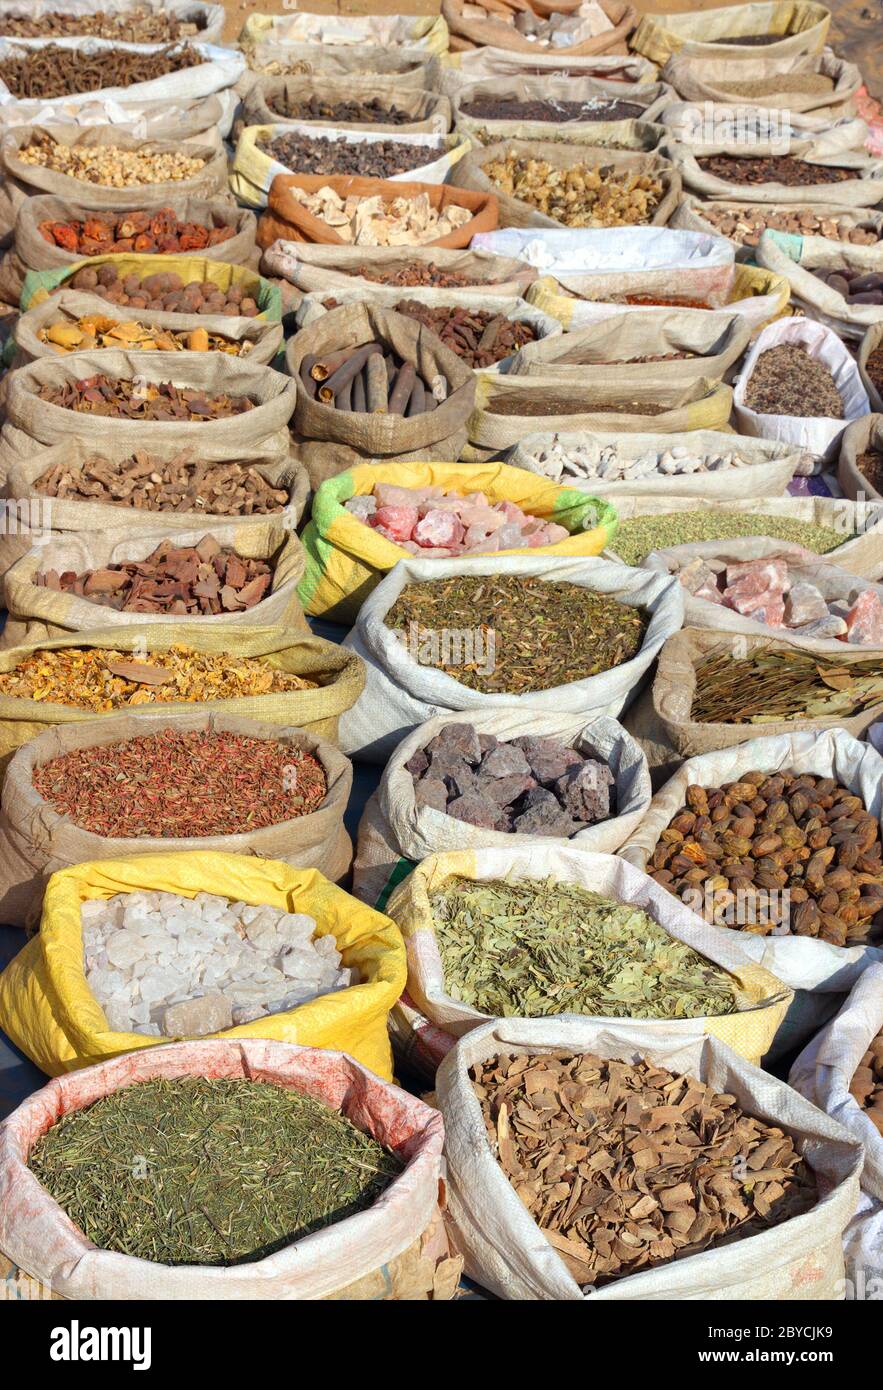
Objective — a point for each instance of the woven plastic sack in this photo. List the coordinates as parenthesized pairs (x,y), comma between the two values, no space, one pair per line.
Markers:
(48,1010)
(690,215)
(863,189)
(36,840)
(745,122)
(400,693)
(253,169)
(39,284)
(709,79)
(626,70)
(338,675)
(430,112)
(506,1252)
(813,434)
(426,32)
(796,257)
(35,611)
(208,18)
(37,1236)
(327,269)
(803,28)
(869,344)
(395,833)
(771,466)
(605,27)
(823,1073)
(652,96)
(345,559)
(407,67)
(858,438)
(762,1002)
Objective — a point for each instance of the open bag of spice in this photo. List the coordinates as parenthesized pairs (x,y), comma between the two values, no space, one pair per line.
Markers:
(781,31)
(534,932)
(370,1151)
(793,866)
(326,269)
(257,673)
(364,521)
(860,466)
(563,635)
(840,286)
(841,1071)
(823,85)
(870,365)
(200,781)
(758,172)
(231,576)
(148,947)
(641,1198)
(471,781)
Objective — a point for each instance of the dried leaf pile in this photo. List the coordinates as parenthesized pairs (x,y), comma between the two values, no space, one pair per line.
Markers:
(98,331)
(179,484)
(782,683)
(100,679)
(866,1086)
(535,948)
(625,1166)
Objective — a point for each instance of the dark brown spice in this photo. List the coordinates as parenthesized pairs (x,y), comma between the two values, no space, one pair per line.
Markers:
(783,168)
(54,71)
(511,109)
(121,398)
(787,381)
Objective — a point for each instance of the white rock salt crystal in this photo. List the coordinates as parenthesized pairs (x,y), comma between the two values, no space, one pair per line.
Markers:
(158,984)
(92,909)
(247,1013)
(295,928)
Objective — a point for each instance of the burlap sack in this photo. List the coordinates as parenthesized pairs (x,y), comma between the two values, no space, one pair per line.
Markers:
(30,420)
(148,120)
(21,180)
(694,33)
(861,437)
(31,251)
(35,612)
(832,580)
(652,96)
(574,406)
(393,1250)
(222,275)
(32,519)
(330,440)
(861,525)
(395,832)
(426,32)
(747,123)
(715,79)
(267,102)
(515,310)
(261,338)
(426,1271)
(208,18)
(870,343)
(505,1250)
(716,340)
(863,189)
(406,67)
(330,268)
(607,26)
(627,71)
(689,215)
(288,220)
(675,683)
(795,259)
(339,675)
(514,212)
(36,841)
(771,466)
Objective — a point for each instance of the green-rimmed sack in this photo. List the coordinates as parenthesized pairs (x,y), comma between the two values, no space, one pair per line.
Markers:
(689,215)
(509,407)
(40,283)
(253,169)
(713,343)
(339,675)
(30,250)
(346,559)
(259,339)
(36,611)
(36,840)
(47,1008)
(758,294)
(800,28)
(796,257)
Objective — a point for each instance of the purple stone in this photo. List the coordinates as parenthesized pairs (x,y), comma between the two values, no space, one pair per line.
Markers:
(543,816)
(503,791)
(503,761)
(474,810)
(546,757)
(457,741)
(417,763)
(432,792)
(584,792)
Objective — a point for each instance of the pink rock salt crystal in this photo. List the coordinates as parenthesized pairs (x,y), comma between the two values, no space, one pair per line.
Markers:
(396,523)
(772,570)
(864,621)
(696,576)
(753,590)
(389,495)
(510,536)
(709,591)
(771,613)
(477,543)
(486,517)
(805,604)
(439,528)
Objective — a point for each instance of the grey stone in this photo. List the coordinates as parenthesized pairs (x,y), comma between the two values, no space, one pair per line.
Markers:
(474,810)
(457,740)
(503,791)
(445,763)
(542,815)
(432,792)
(504,760)
(547,758)
(584,791)
(487,742)
(417,763)
(462,782)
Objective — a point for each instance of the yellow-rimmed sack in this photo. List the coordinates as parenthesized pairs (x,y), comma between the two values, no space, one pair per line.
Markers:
(39,284)
(339,675)
(758,294)
(762,999)
(253,169)
(427,32)
(49,1012)
(798,26)
(346,559)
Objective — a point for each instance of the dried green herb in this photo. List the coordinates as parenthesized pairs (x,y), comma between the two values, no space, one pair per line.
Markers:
(216,1172)
(532,634)
(780,684)
(636,538)
(535,948)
